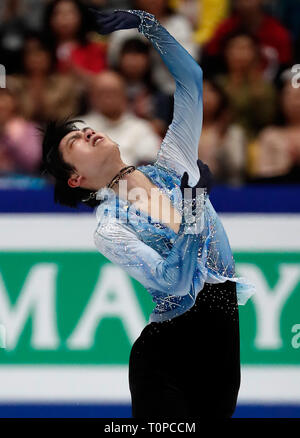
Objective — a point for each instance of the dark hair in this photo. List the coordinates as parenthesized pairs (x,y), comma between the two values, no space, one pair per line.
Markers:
(39,38)
(136,45)
(87,22)
(53,164)
(239,32)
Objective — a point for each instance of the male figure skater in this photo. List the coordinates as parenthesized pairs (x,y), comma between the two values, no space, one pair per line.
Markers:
(186,362)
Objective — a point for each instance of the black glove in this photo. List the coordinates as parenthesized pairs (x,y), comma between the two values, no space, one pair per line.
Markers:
(108,22)
(205,181)
(192,206)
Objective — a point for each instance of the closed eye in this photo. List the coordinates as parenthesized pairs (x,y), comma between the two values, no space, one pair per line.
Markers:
(75,137)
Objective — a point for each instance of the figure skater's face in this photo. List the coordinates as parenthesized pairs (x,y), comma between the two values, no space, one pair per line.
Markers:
(93,155)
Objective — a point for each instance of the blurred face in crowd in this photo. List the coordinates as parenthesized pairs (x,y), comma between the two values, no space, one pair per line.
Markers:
(65,20)
(108,95)
(155,7)
(7,106)
(95,157)
(241,53)
(37,61)
(211,101)
(134,65)
(245,7)
(291,103)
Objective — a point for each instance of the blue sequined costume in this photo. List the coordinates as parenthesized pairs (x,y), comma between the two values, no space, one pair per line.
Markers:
(172,267)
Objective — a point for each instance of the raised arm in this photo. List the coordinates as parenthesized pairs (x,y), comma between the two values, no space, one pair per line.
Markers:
(179,149)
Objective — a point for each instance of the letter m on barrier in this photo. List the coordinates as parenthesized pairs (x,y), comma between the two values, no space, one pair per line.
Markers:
(2,76)
(36,300)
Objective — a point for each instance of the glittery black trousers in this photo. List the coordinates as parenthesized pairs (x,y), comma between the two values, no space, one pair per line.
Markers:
(189,367)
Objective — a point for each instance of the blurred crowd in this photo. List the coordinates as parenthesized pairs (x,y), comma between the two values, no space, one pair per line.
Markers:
(57,66)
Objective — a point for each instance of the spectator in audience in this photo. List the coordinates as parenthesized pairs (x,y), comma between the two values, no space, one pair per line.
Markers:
(12,30)
(211,14)
(42,93)
(288,13)
(252,99)
(222,145)
(204,15)
(191,9)
(144,98)
(109,4)
(109,113)
(31,11)
(67,23)
(277,149)
(176,24)
(274,39)
(20,148)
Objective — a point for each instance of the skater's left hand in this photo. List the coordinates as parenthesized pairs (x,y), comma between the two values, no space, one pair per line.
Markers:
(108,22)
(205,181)
(194,199)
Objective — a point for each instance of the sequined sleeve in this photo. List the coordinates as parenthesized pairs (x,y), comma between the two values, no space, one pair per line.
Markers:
(174,274)
(179,149)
